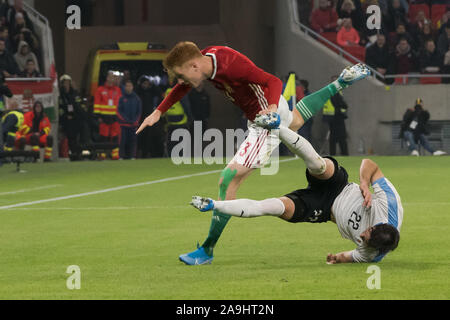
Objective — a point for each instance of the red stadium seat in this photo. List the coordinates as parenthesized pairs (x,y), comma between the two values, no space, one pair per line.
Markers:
(415,8)
(330,36)
(437,11)
(358,52)
(400,80)
(431,80)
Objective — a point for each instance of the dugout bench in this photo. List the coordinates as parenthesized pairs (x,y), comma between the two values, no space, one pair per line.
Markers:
(18,157)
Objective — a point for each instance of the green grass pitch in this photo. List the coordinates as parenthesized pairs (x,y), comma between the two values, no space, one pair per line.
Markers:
(127,241)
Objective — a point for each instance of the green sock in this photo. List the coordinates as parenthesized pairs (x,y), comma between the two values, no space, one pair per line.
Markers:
(219,220)
(313,103)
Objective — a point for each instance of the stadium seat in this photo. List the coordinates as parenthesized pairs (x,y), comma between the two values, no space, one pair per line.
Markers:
(400,80)
(431,80)
(415,8)
(437,11)
(330,36)
(358,52)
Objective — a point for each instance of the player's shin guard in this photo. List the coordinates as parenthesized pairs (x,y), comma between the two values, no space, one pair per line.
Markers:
(219,220)
(246,208)
(301,147)
(314,102)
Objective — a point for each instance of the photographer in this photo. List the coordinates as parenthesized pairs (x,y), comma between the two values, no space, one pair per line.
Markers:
(414,129)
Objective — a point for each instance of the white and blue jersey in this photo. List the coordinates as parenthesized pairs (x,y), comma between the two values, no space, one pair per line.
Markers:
(352,218)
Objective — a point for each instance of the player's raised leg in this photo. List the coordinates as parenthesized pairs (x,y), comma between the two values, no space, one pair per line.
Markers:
(313,103)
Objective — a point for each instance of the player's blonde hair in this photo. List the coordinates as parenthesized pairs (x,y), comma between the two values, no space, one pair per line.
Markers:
(179,55)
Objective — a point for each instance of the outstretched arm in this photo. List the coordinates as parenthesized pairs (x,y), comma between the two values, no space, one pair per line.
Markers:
(343,257)
(368,173)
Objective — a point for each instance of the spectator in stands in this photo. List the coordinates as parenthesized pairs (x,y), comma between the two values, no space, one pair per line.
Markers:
(21,32)
(200,105)
(347,35)
(443,44)
(4,34)
(71,116)
(129,113)
(324,18)
(377,55)
(23,55)
(400,32)
(11,15)
(397,13)
(414,129)
(419,21)
(440,25)
(427,33)
(348,9)
(151,140)
(30,70)
(430,59)
(405,60)
(7,63)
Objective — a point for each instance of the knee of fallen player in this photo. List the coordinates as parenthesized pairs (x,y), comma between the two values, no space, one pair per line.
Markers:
(321,168)
(289,208)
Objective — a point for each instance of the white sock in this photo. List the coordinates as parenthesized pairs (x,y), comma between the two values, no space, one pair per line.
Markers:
(246,208)
(301,147)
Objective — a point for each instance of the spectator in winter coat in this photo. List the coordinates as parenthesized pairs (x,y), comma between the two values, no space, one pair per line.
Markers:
(23,55)
(324,18)
(430,59)
(347,35)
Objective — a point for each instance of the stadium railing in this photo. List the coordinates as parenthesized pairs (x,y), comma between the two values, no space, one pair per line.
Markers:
(401,78)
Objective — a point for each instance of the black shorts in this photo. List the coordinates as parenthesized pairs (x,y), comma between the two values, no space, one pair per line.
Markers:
(313,204)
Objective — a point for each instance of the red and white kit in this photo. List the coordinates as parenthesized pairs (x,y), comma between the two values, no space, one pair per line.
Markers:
(252,90)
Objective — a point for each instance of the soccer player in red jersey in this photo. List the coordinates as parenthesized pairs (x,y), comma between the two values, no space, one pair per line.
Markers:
(255,92)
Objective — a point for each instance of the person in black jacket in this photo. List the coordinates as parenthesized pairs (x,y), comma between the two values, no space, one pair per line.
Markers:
(8,65)
(71,116)
(377,55)
(200,105)
(430,59)
(338,131)
(414,129)
(151,140)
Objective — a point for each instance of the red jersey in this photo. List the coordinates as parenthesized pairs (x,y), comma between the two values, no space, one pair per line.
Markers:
(246,85)
(107,100)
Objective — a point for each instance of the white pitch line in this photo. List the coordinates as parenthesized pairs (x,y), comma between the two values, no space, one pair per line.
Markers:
(31,189)
(85,194)
(97,208)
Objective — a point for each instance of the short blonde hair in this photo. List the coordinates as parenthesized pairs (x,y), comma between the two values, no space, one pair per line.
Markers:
(180,54)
